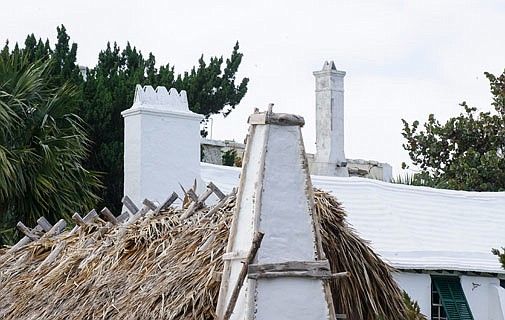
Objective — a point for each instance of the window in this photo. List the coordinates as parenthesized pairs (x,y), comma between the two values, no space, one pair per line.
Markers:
(437,309)
(448,300)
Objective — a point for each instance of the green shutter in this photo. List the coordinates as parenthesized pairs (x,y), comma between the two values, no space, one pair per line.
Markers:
(453,298)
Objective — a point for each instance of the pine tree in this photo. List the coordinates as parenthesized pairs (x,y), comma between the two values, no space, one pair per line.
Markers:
(109,89)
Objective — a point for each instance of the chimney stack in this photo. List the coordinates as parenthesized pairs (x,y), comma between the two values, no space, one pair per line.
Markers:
(330,157)
(161,144)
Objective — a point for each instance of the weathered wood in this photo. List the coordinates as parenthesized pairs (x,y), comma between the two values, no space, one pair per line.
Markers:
(24,241)
(243,273)
(46,225)
(78,219)
(235,255)
(285,119)
(221,203)
(27,231)
(194,206)
(123,217)
(291,266)
(257,118)
(62,244)
(128,203)
(109,216)
(280,119)
(167,203)
(305,269)
(191,193)
(312,274)
(216,190)
(56,229)
(150,204)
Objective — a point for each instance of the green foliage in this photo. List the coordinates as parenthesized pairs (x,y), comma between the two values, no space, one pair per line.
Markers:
(465,153)
(414,180)
(228,157)
(42,146)
(501,255)
(109,89)
(413,309)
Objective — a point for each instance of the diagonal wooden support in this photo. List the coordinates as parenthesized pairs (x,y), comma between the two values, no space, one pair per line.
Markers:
(243,273)
(221,203)
(109,216)
(216,190)
(149,204)
(195,205)
(27,231)
(167,203)
(128,203)
(192,195)
(62,244)
(46,225)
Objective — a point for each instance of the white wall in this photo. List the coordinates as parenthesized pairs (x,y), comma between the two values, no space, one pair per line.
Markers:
(478,294)
(418,286)
(484,295)
(496,302)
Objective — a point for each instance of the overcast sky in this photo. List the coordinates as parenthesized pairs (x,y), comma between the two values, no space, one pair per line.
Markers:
(404,59)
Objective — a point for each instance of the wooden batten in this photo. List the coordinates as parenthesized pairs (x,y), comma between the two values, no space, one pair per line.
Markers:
(129,204)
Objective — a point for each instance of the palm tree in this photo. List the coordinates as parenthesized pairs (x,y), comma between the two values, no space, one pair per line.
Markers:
(42,146)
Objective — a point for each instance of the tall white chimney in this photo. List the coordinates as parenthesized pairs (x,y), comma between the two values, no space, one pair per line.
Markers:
(161,144)
(330,158)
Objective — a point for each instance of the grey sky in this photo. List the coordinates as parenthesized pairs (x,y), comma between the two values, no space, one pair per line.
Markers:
(404,59)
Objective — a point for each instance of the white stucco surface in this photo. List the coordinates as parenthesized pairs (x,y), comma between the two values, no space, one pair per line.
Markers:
(418,286)
(162,145)
(496,302)
(413,227)
(243,225)
(273,198)
(478,294)
(287,224)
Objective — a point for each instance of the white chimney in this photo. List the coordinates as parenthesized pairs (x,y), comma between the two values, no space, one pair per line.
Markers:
(161,144)
(330,158)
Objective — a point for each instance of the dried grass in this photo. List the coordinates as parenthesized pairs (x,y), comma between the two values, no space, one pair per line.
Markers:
(164,268)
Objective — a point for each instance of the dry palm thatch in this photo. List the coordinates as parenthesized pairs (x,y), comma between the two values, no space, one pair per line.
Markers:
(371,292)
(166,268)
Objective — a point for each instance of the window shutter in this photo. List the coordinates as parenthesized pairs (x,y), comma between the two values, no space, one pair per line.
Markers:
(453,298)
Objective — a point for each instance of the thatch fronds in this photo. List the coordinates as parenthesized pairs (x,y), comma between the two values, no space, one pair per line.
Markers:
(165,268)
(370,292)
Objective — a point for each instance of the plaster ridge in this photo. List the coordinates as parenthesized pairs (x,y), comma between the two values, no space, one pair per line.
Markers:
(161,98)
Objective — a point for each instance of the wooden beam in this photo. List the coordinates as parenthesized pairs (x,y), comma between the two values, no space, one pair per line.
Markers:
(27,231)
(191,193)
(194,206)
(24,241)
(62,244)
(128,203)
(216,190)
(167,203)
(243,273)
(123,217)
(109,216)
(78,220)
(57,228)
(46,225)
(150,204)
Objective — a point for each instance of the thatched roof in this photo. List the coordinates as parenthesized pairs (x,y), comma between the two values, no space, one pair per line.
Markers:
(165,268)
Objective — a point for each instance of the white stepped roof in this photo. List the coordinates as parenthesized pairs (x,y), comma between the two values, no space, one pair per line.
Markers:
(412,227)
